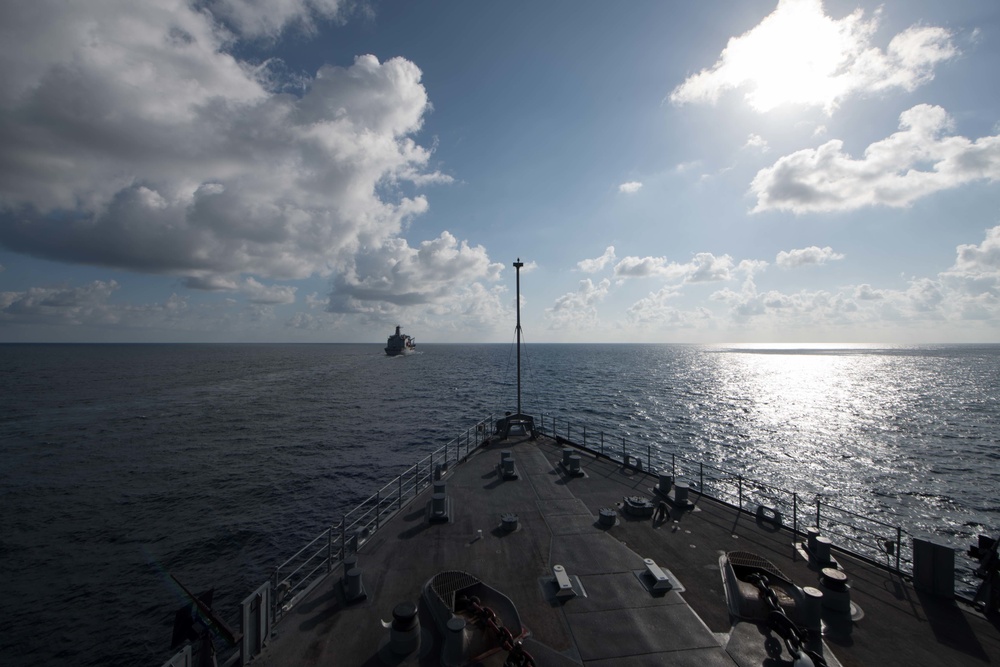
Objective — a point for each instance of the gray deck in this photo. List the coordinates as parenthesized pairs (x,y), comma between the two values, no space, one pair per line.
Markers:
(619,622)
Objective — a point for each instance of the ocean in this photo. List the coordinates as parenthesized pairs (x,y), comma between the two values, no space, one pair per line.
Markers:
(123,463)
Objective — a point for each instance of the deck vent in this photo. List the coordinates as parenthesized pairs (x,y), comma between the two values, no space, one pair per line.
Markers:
(607,517)
(563,585)
(508,522)
(439,508)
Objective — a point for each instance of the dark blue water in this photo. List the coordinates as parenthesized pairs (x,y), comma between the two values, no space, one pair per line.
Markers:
(121,463)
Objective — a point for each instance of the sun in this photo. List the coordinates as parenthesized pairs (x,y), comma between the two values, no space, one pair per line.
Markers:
(795,55)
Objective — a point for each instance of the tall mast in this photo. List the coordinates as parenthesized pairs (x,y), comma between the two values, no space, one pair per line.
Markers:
(517,266)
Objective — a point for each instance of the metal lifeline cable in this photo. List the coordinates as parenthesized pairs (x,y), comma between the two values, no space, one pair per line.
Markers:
(528,369)
(498,397)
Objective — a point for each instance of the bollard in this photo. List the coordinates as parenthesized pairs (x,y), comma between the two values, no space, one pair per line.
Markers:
(681,493)
(823,549)
(813,609)
(353,586)
(404,633)
(666,482)
(455,642)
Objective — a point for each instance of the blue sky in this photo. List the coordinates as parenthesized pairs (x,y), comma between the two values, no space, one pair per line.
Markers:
(318,170)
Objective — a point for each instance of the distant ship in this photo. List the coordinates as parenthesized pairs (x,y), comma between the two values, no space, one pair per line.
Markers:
(400,343)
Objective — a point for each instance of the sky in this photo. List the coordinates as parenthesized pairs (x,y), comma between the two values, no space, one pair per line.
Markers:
(782,171)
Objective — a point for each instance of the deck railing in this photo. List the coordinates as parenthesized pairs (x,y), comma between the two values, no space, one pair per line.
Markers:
(873,540)
(295,577)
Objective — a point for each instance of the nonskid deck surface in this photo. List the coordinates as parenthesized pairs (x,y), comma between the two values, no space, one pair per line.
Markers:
(618,622)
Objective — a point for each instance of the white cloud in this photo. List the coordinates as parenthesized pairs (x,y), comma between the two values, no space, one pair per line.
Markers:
(258,293)
(977,267)
(912,163)
(441,271)
(967,292)
(134,139)
(704,267)
(597,264)
(866,292)
(630,188)
(578,309)
(799,55)
(812,255)
(757,142)
(655,310)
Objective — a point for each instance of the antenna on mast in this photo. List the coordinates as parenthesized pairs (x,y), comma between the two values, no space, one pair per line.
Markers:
(517,266)
(519,423)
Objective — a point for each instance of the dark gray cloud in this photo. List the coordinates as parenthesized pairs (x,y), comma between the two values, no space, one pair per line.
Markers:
(133,139)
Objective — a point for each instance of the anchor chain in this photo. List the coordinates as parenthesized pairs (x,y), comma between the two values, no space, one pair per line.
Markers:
(516,655)
(778,621)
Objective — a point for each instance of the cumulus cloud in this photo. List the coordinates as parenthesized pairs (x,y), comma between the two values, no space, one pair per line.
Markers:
(703,267)
(630,188)
(258,293)
(395,275)
(597,264)
(813,255)
(969,291)
(977,267)
(579,308)
(799,55)
(918,160)
(134,139)
(655,310)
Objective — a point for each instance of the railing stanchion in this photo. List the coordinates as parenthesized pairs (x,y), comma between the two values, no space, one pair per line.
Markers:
(795,517)
(343,537)
(739,482)
(274,598)
(649,459)
(899,545)
(817,515)
(701,478)
(584,437)
(399,501)
(673,465)
(378,508)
